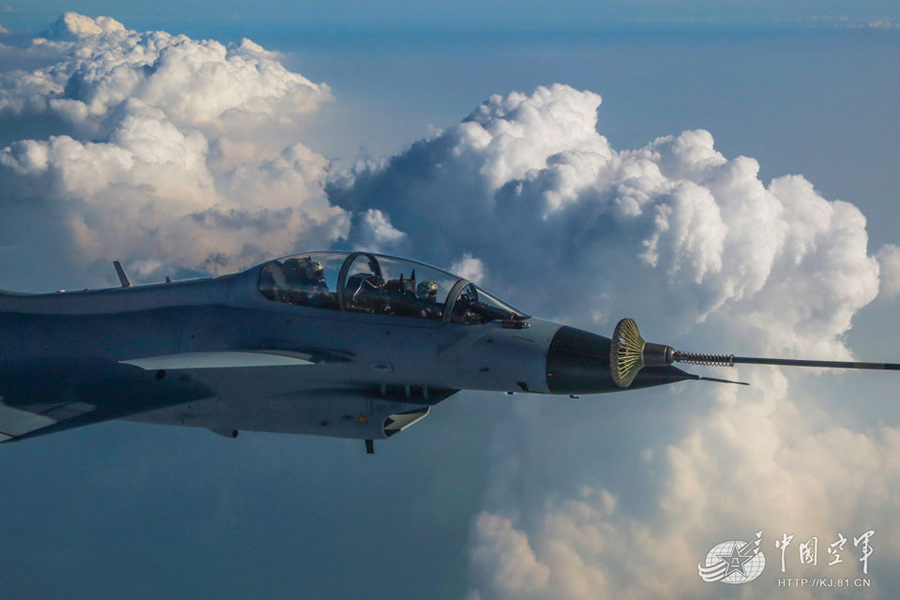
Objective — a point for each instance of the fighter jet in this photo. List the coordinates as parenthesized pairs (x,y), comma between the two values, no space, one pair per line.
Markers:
(341,344)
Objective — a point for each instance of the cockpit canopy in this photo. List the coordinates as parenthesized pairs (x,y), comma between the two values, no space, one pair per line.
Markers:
(378,284)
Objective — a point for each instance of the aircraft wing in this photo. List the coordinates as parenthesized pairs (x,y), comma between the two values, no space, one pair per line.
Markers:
(38,397)
(230,359)
(43,396)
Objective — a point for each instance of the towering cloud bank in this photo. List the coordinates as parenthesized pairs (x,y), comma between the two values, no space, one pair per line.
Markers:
(684,239)
(526,184)
(164,149)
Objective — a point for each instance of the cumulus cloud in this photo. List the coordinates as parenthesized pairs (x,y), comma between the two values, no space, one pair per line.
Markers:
(195,83)
(71,25)
(754,461)
(469,267)
(687,241)
(889,261)
(529,177)
(165,149)
(376,234)
(506,559)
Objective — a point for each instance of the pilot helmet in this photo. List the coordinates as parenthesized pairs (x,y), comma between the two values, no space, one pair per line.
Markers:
(312,269)
(427,290)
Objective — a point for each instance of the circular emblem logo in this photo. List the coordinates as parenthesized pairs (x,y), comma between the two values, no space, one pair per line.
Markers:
(733,562)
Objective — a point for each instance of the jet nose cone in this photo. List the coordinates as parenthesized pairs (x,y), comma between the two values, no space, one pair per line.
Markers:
(578,363)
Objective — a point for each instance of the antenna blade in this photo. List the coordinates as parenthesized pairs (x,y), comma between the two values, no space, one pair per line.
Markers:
(123,278)
(716,380)
(833,364)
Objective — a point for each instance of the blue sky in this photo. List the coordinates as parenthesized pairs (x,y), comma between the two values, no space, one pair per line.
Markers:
(183,513)
(491,16)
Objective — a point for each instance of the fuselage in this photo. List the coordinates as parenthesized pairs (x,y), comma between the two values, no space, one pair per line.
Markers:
(219,353)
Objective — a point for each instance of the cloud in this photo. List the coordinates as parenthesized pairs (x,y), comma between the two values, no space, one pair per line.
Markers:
(195,83)
(166,150)
(72,25)
(750,463)
(610,499)
(469,267)
(529,177)
(376,234)
(506,558)
(883,23)
(889,261)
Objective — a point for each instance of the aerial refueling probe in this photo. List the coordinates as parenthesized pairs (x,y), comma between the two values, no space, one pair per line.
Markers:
(629,353)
